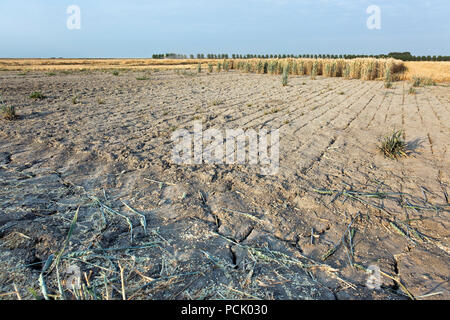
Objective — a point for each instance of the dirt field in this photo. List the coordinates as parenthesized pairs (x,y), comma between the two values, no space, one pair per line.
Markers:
(99,141)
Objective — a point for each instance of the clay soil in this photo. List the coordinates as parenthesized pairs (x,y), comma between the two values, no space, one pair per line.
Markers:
(148,228)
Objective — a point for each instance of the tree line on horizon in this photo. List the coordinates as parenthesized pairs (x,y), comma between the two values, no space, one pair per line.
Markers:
(404,56)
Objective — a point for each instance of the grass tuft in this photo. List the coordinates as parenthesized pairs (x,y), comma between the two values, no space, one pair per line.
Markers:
(422,81)
(7,112)
(217,102)
(393,146)
(284,77)
(75,99)
(37,95)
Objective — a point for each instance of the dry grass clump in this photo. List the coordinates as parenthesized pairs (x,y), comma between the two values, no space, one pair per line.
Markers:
(217,102)
(314,70)
(388,79)
(393,146)
(75,99)
(284,77)
(428,82)
(7,112)
(422,81)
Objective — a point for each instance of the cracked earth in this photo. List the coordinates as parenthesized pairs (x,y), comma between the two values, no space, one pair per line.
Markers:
(336,206)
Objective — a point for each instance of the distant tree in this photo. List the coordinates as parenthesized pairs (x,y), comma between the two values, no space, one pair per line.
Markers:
(405,56)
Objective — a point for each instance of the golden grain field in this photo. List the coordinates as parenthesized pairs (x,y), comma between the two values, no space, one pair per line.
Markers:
(438,71)
(358,68)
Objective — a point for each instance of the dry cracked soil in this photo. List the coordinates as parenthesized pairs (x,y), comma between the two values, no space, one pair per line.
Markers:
(102,145)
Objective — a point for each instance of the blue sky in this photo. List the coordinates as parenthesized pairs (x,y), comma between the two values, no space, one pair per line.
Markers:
(138,28)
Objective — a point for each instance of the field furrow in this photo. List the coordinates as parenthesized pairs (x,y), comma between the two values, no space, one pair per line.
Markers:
(98,141)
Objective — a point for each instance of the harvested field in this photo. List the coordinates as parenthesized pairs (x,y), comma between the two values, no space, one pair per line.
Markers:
(438,71)
(96,64)
(100,145)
